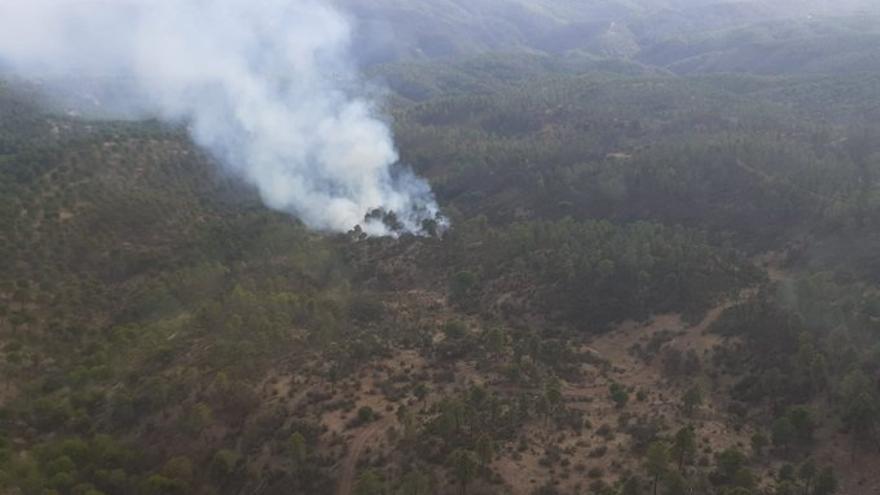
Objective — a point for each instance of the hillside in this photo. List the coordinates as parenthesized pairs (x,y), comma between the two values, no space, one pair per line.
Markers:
(661,274)
(147,297)
(684,35)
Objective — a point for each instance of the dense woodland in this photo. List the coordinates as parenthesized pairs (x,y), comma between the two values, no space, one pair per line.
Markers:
(656,280)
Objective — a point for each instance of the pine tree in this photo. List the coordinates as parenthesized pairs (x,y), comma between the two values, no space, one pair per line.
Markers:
(463,464)
(657,462)
(684,446)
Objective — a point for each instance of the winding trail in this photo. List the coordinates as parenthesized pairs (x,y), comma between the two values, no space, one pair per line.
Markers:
(357,446)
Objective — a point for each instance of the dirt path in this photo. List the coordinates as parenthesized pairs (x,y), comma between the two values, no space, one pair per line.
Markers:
(773,179)
(524,472)
(356,448)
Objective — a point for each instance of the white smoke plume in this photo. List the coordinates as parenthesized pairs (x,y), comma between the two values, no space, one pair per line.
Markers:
(266,86)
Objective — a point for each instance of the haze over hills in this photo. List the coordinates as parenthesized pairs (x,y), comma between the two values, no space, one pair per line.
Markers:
(684,36)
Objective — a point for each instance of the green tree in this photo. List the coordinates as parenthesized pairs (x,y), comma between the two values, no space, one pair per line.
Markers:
(675,484)
(744,478)
(178,468)
(632,486)
(369,483)
(485,449)
(783,433)
(618,394)
(160,485)
(421,391)
(495,340)
(198,418)
(684,446)
(454,330)
(415,483)
(759,443)
(410,425)
(656,462)
(826,482)
(366,415)
(692,400)
(786,487)
(462,287)
(297,449)
(463,464)
(807,473)
(861,408)
(729,463)
(224,462)
(552,397)
(802,421)
(787,473)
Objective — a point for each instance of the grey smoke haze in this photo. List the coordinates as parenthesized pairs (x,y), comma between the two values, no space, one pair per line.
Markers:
(266,86)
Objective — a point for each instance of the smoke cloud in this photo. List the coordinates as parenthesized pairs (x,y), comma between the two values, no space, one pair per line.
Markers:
(267,86)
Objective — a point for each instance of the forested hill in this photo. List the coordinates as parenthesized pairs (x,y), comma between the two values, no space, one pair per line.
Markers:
(659,276)
(684,36)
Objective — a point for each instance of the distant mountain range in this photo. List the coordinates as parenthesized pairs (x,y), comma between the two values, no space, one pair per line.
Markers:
(684,36)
